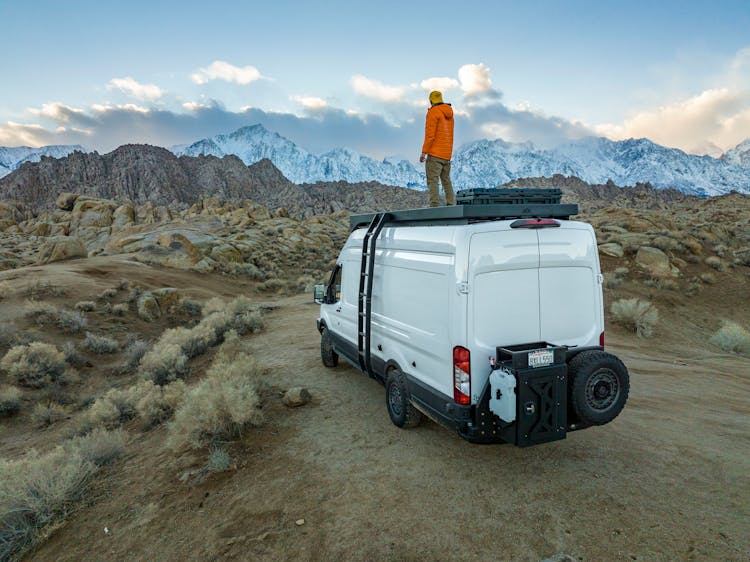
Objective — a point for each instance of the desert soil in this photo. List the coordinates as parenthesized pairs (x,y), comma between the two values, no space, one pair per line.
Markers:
(668,479)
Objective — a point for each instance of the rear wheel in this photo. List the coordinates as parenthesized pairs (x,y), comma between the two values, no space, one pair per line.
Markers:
(400,409)
(598,385)
(327,354)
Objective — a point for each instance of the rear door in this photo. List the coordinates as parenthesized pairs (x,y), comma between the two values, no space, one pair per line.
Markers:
(503,295)
(570,291)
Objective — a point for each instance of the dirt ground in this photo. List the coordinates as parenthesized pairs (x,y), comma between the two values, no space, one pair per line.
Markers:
(668,479)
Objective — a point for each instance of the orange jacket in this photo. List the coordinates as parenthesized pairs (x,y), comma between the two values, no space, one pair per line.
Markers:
(438,131)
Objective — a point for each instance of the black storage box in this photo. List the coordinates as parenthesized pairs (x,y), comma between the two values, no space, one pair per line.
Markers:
(509,196)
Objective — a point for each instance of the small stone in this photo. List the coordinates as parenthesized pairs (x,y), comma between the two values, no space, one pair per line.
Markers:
(296,396)
(299,522)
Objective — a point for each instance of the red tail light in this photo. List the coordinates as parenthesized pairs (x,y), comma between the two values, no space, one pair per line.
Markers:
(461,375)
(601,340)
(534,223)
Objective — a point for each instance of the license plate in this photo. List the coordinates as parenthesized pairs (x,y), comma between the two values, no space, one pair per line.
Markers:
(541,358)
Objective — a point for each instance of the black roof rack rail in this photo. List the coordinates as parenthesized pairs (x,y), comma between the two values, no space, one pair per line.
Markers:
(468,213)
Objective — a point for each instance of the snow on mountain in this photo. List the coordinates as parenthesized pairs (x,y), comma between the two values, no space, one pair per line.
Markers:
(739,155)
(255,142)
(11,158)
(488,163)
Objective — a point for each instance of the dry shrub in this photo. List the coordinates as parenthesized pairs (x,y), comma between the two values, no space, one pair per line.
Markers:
(38,289)
(107,294)
(239,314)
(305,284)
(6,291)
(43,313)
(193,342)
(157,403)
(38,490)
(164,364)
(113,409)
(271,286)
(85,306)
(733,338)
(41,490)
(71,321)
(250,270)
(10,400)
(218,460)
(72,357)
(35,365)
(100,344)
(123,285)
(636,315)
(8,334)
(120,309)
(47,414)
(716,263)
(100,447)
(135,351)
(191,307)
(221,405)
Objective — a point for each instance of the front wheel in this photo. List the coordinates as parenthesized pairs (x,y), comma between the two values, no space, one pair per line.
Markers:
(599,384)
(400,409)
(327,354)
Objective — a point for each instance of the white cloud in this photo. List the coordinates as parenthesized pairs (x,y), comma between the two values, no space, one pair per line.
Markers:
(720,116)
(441,83)
(133,88)
(474,79)
(195,105)
(221,70)
(131,107)
(56,111)
(310,102)
(375,89)
(20,134)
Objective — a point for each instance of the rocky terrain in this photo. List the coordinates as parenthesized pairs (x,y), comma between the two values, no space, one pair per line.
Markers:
(137,174)
(160,376)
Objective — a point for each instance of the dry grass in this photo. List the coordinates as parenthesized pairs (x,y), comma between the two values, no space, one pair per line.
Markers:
(71,321)
(108,294)
(733,338)
(35,365)
(157,404)
(271,286)
(221,405)
(10,400)
(636,315)
(135,351)
(40,289)
(120,309)
(42,313)
(193,342)
(716,263)
(8,334)
(100,447)
(6,291)
(100,344)
(72,357)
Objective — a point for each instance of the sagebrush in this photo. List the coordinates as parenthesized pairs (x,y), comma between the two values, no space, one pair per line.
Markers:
(732,337)
(34,365)
(636,315)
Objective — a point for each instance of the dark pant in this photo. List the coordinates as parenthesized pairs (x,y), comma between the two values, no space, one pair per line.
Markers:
(438,168)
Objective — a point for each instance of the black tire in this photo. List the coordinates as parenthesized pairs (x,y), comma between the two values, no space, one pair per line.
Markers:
(400,409)
(327,354)
(598,385)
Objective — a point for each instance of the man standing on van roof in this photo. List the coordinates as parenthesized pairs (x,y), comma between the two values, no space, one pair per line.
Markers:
(438,149)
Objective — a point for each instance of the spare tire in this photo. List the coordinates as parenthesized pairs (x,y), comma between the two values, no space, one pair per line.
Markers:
(598,386)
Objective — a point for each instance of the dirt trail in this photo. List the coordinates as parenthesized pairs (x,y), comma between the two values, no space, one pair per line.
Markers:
(669,479)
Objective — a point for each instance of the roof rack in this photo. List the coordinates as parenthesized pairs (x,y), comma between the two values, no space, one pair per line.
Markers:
(468,213)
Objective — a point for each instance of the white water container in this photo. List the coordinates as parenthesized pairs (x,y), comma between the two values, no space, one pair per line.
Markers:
(503,395)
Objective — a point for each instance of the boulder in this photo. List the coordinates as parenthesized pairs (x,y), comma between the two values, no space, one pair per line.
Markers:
(226,253)
(60,248)
(297,396)
(654,261)
(123,216)
(611,249)
(66,200)
(90,212)
(148,307)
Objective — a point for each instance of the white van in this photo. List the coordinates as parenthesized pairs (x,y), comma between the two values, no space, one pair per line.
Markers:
(488,318)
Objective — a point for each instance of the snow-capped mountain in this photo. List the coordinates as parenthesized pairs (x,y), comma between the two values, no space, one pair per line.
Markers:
(11,158)
(255,142)
(488,163)
(739,155)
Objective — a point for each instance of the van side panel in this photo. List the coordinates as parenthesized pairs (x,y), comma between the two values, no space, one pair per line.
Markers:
(410,324)
(569,286)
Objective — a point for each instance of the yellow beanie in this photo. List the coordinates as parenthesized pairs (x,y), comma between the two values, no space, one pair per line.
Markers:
(436,97)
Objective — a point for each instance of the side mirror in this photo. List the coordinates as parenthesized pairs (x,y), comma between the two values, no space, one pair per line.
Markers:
(318,293)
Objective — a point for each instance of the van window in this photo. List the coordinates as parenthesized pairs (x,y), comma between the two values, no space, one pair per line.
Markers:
(333,293)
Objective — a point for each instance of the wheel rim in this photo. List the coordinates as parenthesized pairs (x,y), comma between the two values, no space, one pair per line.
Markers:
(395,400)
(602,389)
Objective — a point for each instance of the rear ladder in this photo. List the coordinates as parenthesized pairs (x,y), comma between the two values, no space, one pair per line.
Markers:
(364,308)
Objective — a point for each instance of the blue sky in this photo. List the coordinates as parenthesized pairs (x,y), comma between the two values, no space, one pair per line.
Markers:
(357,74)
